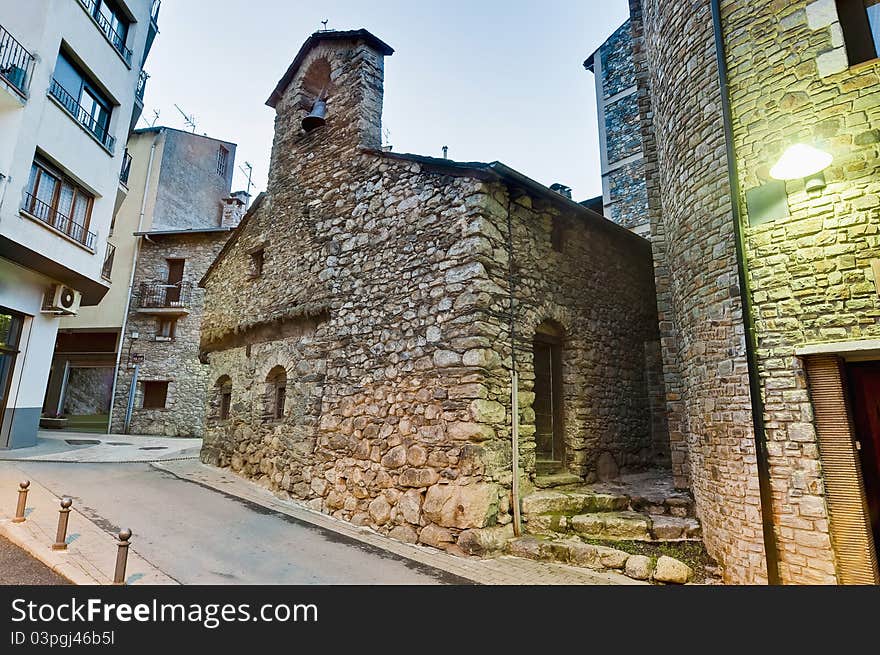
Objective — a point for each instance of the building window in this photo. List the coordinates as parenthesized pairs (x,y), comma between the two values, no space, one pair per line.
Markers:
(276,394)
(59,202)
(107,268)
(860,21)
(222,161)
(167,329)
(155,394)
(224,397)
(112,22)
(257,259)
(82,99)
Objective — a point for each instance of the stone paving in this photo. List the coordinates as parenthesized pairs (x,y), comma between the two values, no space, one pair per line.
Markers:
(60,446)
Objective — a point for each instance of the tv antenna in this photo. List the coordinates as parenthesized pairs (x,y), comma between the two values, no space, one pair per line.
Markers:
(249,172)
(324,23)
(190,120)
(155,119)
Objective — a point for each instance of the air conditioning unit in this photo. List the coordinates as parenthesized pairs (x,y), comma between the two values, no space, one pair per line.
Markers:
(61,299)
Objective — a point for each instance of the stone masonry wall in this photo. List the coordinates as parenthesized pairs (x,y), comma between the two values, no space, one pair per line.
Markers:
(384,296)
(177,360)
(625,200)
(809,273)
(699,257)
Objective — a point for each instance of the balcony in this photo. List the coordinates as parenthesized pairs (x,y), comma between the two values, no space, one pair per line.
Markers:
(80,115)
(16,63)
(164,298)
(115,38)
(126,168)
(107,267)
(36,208)
(141,86)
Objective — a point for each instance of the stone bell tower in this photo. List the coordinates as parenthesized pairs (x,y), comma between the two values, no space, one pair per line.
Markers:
(345,69)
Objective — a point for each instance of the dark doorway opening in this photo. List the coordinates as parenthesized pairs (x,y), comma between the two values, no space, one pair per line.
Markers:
(175,278)
(864,391)
(548,403)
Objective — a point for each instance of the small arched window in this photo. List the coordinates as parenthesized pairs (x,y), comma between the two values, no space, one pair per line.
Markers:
(276,393)
(224,397)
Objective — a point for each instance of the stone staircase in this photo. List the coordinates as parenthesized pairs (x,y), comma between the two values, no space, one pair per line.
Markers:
(581,524)
(642,507)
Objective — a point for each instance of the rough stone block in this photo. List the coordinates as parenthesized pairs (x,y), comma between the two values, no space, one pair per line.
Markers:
(638,567)
(671,570)
(462,506)
(612,525)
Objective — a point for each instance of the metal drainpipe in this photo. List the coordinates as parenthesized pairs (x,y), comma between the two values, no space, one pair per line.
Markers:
(514,377)
(134,258)
(770,549)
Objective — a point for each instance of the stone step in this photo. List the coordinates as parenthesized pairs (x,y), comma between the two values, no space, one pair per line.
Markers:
(678,504)
(571,502)
(575,552)
(615,526)
(556,480)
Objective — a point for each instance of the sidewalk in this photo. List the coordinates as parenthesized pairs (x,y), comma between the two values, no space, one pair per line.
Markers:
(503,570)
(60,446)
(90,558)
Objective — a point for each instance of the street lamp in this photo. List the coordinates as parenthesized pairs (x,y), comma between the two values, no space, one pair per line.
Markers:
(803,161)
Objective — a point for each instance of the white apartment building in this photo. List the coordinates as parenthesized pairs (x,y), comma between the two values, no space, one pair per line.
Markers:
(71,90)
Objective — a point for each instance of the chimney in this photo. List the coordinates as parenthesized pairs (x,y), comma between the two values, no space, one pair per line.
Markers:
(561,189)
(234,208)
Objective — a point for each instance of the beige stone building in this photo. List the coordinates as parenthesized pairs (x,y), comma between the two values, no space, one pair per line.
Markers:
(766,265)
(364,323)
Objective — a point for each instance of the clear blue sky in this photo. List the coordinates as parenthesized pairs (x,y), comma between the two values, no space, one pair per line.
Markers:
(492,79)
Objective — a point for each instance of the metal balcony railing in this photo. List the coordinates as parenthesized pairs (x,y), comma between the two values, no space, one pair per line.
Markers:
(141,86)
(114,37)
(81,115)
(16,63)
(61,222)
(164,295)
(126,168)
(154,11)
(107,268)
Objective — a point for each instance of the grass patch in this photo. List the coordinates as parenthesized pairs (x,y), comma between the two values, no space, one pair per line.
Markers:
(692,553)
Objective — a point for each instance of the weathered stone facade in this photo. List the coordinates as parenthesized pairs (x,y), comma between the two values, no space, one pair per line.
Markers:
(624,196)
(173,359)
(385,292)
(809,273)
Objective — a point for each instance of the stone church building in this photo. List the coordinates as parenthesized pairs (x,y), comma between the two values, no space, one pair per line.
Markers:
(365,325)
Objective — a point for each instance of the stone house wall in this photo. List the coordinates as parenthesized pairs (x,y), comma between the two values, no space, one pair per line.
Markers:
(809,273)
(177,360)
(623,186)
(384,296)
(700,307)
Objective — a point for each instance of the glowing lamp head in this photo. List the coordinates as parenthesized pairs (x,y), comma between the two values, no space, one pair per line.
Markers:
(800,161)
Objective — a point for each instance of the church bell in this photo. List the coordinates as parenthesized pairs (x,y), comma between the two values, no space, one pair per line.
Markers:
(316,118)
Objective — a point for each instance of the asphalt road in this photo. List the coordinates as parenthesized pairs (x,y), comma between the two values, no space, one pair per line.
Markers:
(201,536)
(19,568)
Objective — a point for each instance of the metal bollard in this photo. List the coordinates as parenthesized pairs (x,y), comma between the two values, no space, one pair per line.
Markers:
(121,557)
(22,501)
(63,516)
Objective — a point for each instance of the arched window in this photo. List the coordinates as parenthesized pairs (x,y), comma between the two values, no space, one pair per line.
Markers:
(223,388)
(276,393)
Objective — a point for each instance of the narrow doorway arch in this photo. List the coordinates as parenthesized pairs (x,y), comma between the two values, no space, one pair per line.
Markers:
(547,346)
